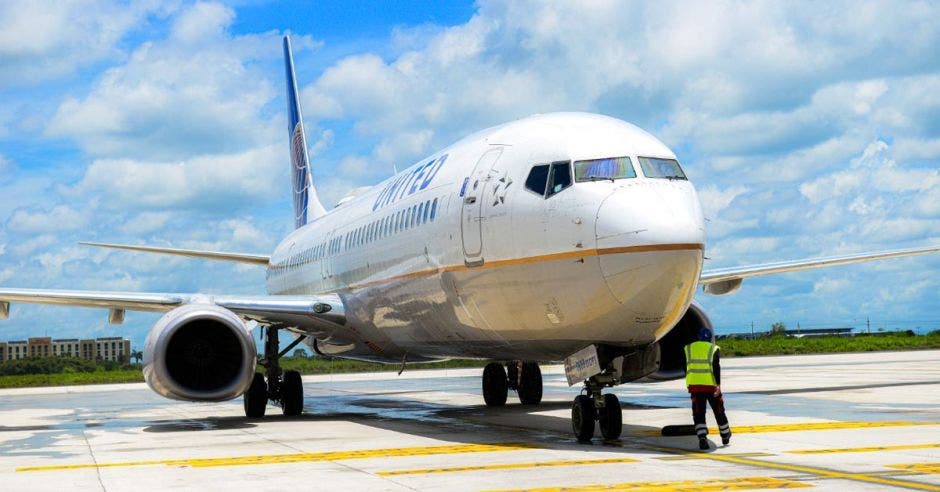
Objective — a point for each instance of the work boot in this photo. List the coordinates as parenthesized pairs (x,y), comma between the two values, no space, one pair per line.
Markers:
(702,443)
(726,439)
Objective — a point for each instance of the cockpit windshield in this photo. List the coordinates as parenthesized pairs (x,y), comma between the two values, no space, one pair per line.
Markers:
(654,167)
(600,169)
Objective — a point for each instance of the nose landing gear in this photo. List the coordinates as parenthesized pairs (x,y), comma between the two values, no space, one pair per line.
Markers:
(523,377)
(594,407)
(283,388)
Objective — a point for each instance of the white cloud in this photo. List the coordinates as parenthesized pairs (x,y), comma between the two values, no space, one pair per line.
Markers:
(28,246)
(714,200)
(206,181)
(194,93)
(58,218)
(146,222)
(43,40)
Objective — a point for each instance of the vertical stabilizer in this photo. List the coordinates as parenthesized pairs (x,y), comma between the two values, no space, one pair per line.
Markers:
(307,205)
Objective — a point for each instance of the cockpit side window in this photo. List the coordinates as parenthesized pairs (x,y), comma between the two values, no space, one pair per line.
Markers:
(560,178)
(654,167)
(537,179)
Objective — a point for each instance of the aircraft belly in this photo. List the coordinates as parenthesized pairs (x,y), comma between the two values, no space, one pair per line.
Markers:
(542,310)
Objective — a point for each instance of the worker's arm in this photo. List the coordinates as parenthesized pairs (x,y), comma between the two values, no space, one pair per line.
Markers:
(716,368)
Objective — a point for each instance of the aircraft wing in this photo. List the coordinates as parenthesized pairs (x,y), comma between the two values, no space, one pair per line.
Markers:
(727,280)
(325,311)
(192,253)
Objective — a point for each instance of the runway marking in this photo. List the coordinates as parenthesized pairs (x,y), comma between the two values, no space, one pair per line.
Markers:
(272,459)
(742,483)
(808,426)
(919,467)
(812,470)
(683,458)
(869,449)
(507,466)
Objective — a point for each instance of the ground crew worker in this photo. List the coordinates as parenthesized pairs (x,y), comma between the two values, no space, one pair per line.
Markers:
(703,378)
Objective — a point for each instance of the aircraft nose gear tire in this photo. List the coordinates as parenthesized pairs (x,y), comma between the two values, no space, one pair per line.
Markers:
(594,406)
(495,385)
(256,398)
(530,384)
(292,394)
(610,417)
(583,417)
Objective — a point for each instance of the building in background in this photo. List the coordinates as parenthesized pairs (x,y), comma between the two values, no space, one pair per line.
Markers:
(115,349)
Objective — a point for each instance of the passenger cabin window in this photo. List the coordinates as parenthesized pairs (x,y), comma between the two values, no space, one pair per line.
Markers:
(654,167)
(602,169)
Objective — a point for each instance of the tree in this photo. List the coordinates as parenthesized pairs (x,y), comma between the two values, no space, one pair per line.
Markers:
(137,355)
(300,354)
(778,328)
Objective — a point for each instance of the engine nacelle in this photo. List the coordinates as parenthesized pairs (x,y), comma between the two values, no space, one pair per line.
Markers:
(672,346)
(199,352)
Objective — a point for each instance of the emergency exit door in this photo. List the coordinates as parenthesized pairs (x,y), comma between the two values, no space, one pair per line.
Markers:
(471,225)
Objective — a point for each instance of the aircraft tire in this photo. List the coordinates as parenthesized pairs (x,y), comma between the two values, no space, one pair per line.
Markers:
(292,394)
(530,387)
(256,398)
(583,415)
(495,385)
(610,418)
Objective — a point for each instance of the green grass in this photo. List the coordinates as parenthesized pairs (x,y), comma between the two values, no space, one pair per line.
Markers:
(71,378)
(729,347)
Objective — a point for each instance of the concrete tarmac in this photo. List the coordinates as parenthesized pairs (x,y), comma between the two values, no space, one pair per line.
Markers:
(833,422)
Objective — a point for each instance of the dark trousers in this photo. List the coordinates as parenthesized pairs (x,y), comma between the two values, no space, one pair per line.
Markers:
(698,412)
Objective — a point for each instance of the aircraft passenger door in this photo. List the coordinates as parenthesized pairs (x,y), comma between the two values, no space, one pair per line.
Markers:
(327,258)
(471,227)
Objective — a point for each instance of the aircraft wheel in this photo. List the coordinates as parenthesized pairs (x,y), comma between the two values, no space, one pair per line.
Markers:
(495,385)
(530,387)
(256,398)
(610,417)
(292,394)
(583,416)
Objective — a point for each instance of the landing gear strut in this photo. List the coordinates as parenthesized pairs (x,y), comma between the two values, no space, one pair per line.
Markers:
(283,388)
(592,407)
(525,378)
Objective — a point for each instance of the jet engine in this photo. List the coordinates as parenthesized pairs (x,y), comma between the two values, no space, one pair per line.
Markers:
(199,352)
(672,346)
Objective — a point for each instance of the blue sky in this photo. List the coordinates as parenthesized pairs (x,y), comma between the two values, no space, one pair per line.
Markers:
(809,129)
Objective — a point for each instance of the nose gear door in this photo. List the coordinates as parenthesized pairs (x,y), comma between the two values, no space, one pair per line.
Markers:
(471,227)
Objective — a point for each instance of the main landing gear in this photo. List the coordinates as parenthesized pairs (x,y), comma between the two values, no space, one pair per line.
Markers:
(525,378)
(591,406)
(283,388)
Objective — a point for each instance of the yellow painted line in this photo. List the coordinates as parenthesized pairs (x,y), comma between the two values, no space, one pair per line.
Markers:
(869,449)
(812,470)
(742,483)
(506,466)
(684,458)
(919,467)
(272,459)
(809,426)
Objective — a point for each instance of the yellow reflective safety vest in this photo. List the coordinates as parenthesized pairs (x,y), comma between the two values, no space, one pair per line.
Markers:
(698,364)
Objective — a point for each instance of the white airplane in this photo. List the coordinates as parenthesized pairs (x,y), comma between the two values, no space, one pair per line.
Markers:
(559,237)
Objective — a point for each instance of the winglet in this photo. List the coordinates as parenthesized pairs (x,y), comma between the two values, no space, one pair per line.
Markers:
(307,205)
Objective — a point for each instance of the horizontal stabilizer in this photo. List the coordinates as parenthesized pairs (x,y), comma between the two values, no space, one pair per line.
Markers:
(192,253)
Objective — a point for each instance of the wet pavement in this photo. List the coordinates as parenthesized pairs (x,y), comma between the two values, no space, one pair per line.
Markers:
(832,422)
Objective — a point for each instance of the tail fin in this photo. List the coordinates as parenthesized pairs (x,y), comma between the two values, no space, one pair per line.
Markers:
(306,203)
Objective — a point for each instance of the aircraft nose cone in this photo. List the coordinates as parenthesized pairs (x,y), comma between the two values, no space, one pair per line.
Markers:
(650,243)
